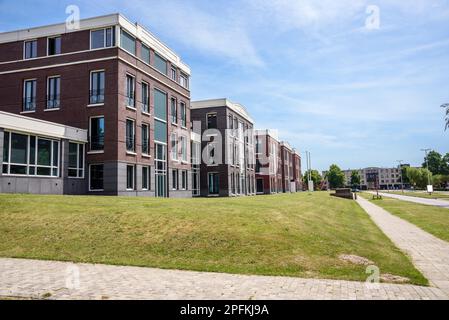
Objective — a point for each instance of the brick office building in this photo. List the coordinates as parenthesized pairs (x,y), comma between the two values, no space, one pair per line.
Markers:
(268,172)
(228,166)
(297,175)
(287,166)
(116,80)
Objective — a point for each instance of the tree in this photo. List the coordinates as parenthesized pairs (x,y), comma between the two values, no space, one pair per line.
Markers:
(336,177)
(445,165)
(446,106)
(405,179)
(434,161)
(355,178)
(316,178)
(418,177)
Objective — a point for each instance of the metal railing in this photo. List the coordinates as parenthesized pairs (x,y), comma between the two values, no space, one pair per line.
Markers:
(130,143)
(96,96)
(29,104)
(130,101)
(53,101)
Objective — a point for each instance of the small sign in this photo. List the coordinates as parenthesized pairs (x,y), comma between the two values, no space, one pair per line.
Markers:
(429,188)
(310,185)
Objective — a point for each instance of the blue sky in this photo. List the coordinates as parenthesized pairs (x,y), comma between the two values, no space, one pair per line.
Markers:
(353,96)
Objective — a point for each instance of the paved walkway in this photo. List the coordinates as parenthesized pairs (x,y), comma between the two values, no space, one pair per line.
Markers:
(429,254)
(430,202)
(61,280)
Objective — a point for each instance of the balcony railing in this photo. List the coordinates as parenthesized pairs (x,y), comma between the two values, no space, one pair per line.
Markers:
(130,101)
(145,107)
(145,146)
(29,104)
(130,145)
(53,101)
(97,142)
(96,96)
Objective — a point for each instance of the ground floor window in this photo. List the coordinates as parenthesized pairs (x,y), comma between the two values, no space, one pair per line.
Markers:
(184,180)
(96,177)
(145,178)
(130,177)
(174,179)
(160,170)
(213,180)
(30,155)
(195,182)
(76,160)
(259,185)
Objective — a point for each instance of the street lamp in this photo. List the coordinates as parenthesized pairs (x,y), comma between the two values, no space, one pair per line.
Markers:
(400,168)
(427,166)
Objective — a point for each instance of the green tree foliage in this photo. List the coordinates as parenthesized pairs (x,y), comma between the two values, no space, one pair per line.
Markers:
(316,178)
(446,106)
(336,177)
(434,161)
(445,165)
(355,178)
(418,177)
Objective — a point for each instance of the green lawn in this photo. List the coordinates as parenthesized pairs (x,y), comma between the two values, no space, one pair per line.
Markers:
(432,219)
(435,195)
(293,235)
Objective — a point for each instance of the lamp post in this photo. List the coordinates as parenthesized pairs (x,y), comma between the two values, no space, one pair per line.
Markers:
(427,167)
(402,180)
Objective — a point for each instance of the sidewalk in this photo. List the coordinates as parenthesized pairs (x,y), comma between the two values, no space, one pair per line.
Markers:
(429,202)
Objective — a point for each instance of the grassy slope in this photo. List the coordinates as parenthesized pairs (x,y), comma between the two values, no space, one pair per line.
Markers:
(294,235)
(432,219)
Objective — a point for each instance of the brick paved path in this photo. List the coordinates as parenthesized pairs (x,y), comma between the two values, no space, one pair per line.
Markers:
(31,278)
(429,254)
(429,202)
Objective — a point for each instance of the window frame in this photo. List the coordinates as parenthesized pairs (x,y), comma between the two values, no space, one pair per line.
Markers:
(147,138)
(90,134)
(91,88)
(156,56)
(185,83)
(174,116)
(24,49)
(24,98)
(184,150)
(133,176)
(58,95)
(133,121)
(90,177)
(133,97)
(147,102)
(207,120)
(78,168)
(113,38)
(184,181)
(183,110)
(174,148)
(174,174)
(147,175)
(48,45)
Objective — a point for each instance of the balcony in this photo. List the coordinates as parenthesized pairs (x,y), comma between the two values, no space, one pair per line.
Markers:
(29,104)
(96,96)
(53,102)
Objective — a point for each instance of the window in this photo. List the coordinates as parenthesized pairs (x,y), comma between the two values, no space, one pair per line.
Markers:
(130,178)
(184,180)
(183,115)
(145,178)
(96,138)
(174,179)
(97,85)
(160,171)
(183,81)
(160,63)
(145,53)
(160,131)
(128,42)
(130,91)
(30,155)
(184,149)
(213,181)
(102,38)
(130,135)
(174,146)
(96,177)
(29,95)
(76,160)
(30,48)
(145,98)
(53,92)
(160,105)
(145,139)
(211,121)
(174,111)
(54,46)
(173,74)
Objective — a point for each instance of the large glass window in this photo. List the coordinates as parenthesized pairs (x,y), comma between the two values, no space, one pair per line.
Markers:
(160,105)
(96,138)
(29,95)
(145,139)
(54,46)
(174,146)
(102,38)
(173,74)
(184,81)
(174,179)
(184,148)
(130,91)
(76,160)
(145,54)
(30,49)
(213,181)
(96,177)
(184,180)
(30,155)
(145,98)
(211,121)
(128,42)
(160,63)
(183,115)
(160,131)
(174,111)
(129,177)
(160,161)
(145,178)
(130,135)
(53,92)
(97,84)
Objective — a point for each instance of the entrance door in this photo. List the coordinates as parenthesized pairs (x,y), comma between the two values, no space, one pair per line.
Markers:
(259,185)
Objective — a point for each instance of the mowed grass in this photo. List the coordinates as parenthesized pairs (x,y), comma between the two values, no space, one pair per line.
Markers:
(432,219)
(292,235)
(434,195)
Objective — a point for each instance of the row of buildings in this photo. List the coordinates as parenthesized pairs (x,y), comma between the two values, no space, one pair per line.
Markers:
(105,109)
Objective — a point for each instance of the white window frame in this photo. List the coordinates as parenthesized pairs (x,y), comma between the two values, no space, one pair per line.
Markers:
(148,139)
(48,46)
(144,83)
(48,92)
(90,87)
(184,152)
(90,135)
(134,91)
(177,179)
(83,169)
(133,177)
(184,181)
(24,49)
(133,134)
(148,178)
(174,149)
(171,114)
(185,83)
(104,38)
(181,104)
(24,95)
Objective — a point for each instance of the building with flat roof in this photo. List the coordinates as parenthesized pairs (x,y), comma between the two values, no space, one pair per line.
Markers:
(116,81)
(268,173)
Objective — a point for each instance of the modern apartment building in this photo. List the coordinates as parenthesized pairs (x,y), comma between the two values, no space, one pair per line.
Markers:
(115,81)
(268,171)
(287,167)
(228,157)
